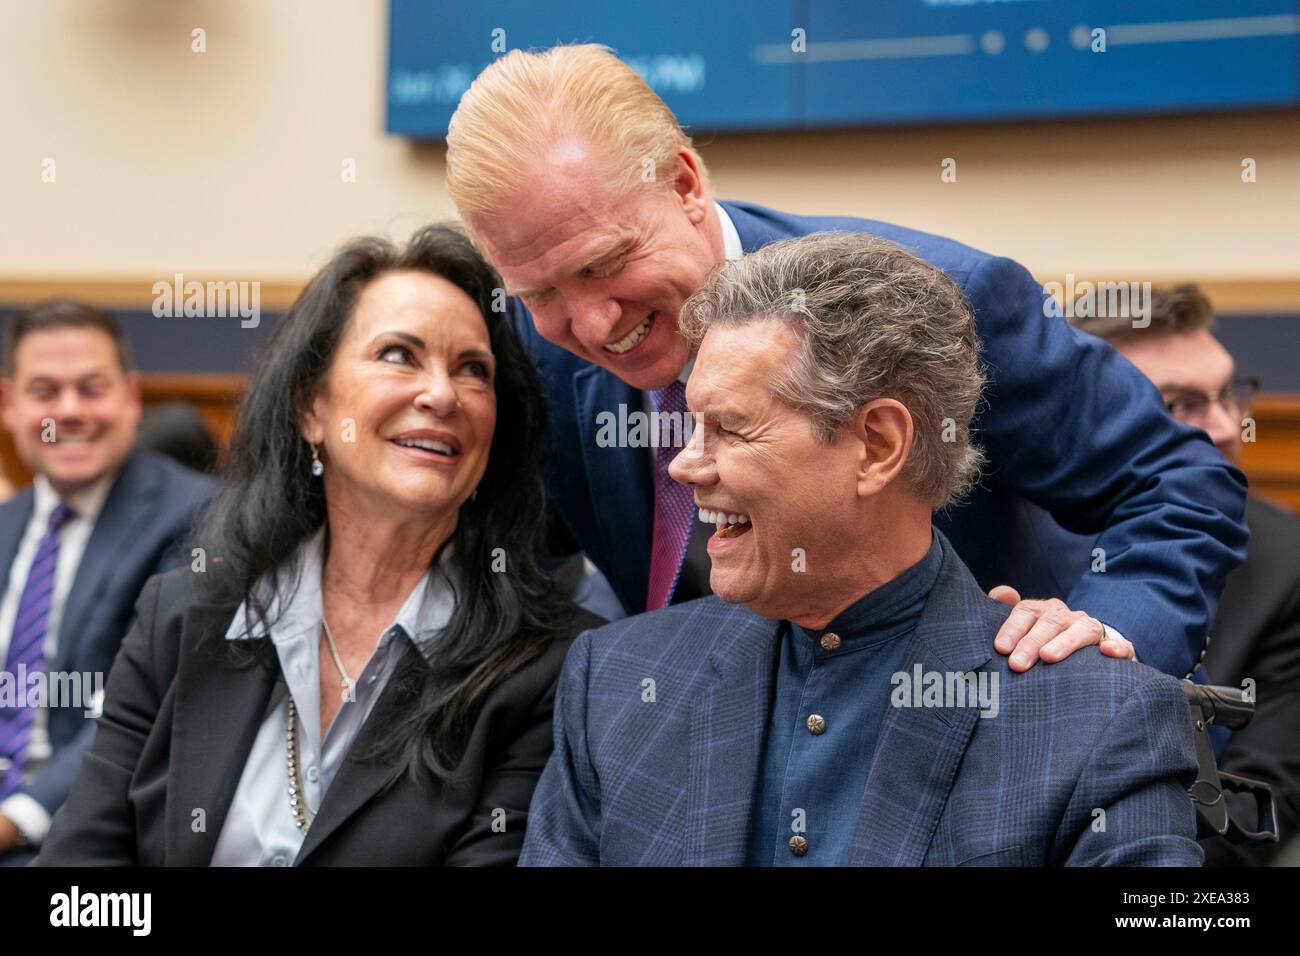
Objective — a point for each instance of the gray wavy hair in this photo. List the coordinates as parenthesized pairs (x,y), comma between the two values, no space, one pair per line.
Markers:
(876,322)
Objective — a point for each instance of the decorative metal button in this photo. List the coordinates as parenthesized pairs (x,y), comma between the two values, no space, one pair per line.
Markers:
(830,642)
(816,724)
(798,845)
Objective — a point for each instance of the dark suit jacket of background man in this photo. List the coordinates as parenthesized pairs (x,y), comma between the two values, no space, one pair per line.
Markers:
(1256,635)
(139,532)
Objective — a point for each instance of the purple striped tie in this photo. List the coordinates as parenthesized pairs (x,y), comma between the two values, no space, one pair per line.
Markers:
(674,506)
(27,650)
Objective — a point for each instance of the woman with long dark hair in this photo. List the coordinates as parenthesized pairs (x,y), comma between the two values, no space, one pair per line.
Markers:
(358,667)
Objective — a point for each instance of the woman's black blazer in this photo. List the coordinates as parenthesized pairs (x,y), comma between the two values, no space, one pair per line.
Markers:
(179,719)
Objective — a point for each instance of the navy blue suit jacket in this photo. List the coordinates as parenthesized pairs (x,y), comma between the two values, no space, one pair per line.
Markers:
(138,532)
(1086,762)
(1068,424)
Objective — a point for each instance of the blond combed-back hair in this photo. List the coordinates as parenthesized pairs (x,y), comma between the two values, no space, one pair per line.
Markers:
(875,321)
(522,105)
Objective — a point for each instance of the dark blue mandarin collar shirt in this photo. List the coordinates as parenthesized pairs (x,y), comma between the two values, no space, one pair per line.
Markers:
(831,690)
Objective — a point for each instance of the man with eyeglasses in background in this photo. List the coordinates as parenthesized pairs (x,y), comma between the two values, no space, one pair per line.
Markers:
(1256,632)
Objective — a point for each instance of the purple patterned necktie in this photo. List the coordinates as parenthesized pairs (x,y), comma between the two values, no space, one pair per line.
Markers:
(674,506)
(27,651)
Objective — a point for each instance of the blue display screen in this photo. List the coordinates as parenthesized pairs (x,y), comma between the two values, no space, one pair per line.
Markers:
(789,64)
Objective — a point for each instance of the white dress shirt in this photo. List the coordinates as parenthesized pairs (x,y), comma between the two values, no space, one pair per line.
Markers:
(731,247)
(259,829)
(27,815)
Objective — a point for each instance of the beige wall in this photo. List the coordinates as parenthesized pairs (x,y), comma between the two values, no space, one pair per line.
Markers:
(228,163)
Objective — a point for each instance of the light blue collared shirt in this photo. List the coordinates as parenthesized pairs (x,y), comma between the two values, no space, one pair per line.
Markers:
(259,829)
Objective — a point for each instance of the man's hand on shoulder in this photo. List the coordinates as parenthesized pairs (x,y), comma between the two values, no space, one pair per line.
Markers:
(1050,631)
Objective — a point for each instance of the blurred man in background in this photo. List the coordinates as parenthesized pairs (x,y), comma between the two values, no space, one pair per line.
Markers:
(580,185)
(1256,632)
(75,548)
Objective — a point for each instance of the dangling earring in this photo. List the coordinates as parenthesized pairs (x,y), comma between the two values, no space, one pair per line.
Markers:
(317,468)
(473,494)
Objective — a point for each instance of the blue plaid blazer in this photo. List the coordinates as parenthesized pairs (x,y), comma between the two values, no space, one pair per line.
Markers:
(1086,762)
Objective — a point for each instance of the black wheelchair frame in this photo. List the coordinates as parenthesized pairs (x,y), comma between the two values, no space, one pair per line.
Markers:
(1227,707)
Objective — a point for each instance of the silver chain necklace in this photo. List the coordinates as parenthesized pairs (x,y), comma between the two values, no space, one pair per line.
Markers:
(297,804)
